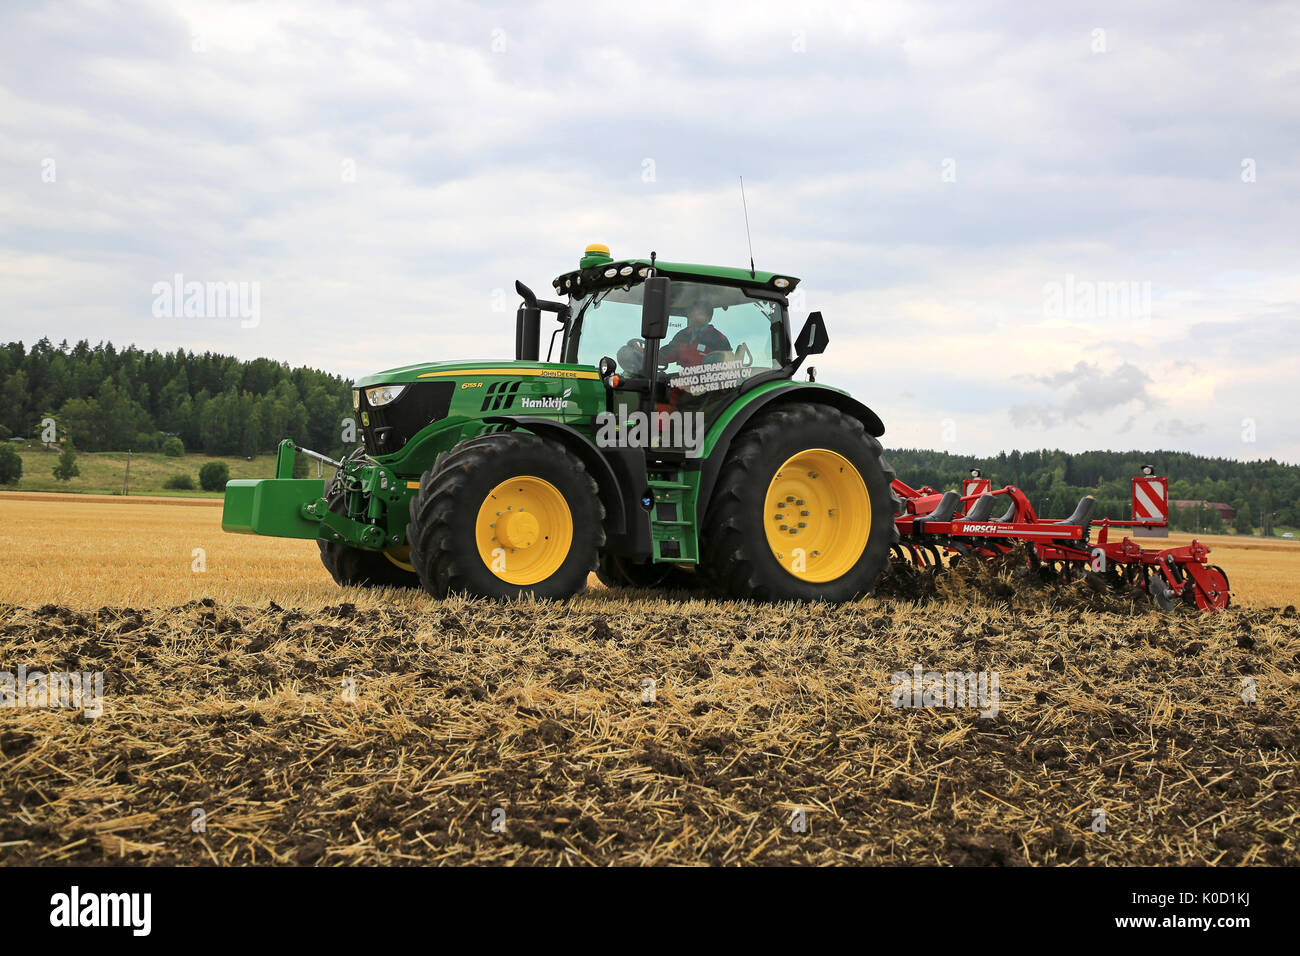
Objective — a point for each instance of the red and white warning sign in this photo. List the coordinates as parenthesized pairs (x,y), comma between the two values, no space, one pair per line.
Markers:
(1151,499)
(975,486)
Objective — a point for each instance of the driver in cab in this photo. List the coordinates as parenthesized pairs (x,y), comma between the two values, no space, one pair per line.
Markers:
(699,339)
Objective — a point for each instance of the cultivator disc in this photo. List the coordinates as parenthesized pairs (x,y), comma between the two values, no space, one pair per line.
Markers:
(1217,595)
(1161,593)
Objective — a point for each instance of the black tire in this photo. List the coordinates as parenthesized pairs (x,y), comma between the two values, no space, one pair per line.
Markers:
(737,557)
(444,513)
(354,567)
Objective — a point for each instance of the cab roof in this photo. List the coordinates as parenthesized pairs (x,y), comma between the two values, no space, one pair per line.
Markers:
(598,269)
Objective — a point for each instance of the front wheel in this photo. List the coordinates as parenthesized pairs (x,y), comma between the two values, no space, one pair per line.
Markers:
(503,516)
(803,509)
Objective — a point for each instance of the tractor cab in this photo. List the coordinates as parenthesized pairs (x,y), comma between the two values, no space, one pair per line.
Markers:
(721,329)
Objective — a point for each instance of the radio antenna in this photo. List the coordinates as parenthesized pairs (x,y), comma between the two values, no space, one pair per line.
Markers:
(748,238)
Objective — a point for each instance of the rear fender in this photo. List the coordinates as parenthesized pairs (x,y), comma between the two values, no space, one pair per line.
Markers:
(719,441)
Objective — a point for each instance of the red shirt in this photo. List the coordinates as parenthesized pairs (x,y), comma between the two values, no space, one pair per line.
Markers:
(689,346)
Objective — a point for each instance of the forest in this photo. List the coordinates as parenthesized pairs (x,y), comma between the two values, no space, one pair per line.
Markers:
(107,399)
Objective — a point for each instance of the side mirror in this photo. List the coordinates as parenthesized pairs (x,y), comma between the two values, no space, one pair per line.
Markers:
(606,367)
(654,307)
(812,338)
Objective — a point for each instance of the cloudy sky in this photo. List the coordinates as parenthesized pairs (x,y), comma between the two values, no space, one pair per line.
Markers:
(1072,227)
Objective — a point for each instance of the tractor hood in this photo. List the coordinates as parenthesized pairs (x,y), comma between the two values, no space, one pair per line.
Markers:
(395,405)
(436,371)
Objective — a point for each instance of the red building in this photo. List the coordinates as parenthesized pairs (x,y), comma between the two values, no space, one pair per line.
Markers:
(1226,512)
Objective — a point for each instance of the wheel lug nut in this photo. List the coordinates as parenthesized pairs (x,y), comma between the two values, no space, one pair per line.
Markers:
(803,514)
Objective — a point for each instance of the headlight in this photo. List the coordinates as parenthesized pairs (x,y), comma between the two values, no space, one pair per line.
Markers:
(383,394)
(356,399)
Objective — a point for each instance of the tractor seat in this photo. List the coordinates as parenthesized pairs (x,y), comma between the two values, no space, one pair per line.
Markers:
(981,509)
(946,509)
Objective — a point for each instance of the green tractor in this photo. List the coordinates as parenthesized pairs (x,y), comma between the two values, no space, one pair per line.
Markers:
(668,446)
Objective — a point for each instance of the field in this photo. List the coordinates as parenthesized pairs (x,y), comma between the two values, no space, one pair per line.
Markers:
(255,713)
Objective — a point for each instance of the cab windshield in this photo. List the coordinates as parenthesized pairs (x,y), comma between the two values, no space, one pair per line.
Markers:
(708,325)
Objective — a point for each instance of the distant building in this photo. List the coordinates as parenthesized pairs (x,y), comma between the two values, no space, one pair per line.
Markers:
(1226,512)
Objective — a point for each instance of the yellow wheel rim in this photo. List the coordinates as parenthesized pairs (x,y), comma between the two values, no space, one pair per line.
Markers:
(401,557)
(524,530)
(817,515)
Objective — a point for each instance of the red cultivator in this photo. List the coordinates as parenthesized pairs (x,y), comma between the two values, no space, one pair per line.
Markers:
(934,523)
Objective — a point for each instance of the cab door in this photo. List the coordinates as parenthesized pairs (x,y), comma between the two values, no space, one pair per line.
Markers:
(718,338)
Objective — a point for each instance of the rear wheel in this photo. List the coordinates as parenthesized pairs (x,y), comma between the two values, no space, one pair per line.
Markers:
(803,509)
(504,516)
(354,567)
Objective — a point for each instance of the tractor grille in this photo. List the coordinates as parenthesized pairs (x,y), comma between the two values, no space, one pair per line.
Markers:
(392,426)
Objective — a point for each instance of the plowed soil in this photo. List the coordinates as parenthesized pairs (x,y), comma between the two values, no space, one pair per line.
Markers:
(397,729)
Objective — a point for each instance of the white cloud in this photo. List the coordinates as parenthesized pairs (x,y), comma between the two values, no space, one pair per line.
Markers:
(475,167)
